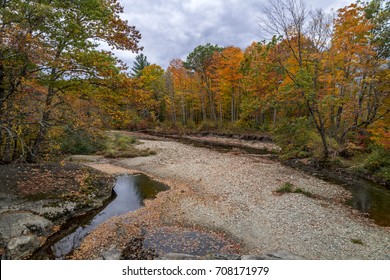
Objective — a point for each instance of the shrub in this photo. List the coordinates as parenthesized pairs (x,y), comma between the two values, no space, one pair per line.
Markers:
(378,162)
(80,141)
(293,136)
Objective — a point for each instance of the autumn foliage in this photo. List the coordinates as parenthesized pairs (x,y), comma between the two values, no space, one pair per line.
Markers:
(321,84)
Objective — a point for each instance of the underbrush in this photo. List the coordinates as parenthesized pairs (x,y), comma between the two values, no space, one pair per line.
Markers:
(227,128)
(376,162)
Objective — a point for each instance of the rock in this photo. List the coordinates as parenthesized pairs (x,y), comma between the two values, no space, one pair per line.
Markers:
(13,224)
(253,257)
(277,255)
(177,256)
(135,250)
(112,253)
(22,246)
(222,257)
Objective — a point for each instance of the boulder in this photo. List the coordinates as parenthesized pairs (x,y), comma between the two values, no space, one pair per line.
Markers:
(13,224)
(22,246)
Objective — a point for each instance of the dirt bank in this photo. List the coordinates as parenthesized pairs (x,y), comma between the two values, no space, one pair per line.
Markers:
(233,194)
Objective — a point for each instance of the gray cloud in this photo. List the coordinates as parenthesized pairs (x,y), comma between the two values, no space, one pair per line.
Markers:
(173,28)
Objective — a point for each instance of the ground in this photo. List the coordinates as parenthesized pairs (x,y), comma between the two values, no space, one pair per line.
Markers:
(234,196)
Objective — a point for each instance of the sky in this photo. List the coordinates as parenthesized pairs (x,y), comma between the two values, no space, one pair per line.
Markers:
(173,28)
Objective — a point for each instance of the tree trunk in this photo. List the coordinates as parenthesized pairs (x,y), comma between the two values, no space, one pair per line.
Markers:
(220,112)
(44,124)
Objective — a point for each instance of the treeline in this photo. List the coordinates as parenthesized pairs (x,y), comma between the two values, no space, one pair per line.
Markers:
(321,84)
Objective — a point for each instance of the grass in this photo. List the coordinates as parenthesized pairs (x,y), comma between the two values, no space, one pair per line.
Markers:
(290,188)
(302,191)
(122,146)
(357,241)
(286,188)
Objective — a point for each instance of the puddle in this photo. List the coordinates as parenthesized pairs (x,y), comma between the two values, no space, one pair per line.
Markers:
(130,190)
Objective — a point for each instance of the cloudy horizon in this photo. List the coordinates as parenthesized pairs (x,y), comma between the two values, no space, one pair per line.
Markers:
(173,28)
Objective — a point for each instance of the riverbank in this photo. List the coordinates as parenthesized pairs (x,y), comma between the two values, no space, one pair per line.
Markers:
(235,195)
(37,200)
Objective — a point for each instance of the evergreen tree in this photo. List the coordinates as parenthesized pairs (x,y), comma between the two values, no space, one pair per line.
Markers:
(141,61)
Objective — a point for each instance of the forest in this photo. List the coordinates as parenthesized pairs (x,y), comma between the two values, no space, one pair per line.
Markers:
(320,87)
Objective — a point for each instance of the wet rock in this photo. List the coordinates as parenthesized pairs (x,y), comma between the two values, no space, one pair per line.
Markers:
(22,246)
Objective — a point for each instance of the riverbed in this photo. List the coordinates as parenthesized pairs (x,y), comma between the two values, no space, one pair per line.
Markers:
(235,196)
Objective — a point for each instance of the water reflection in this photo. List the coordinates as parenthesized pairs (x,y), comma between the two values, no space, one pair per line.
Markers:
(131,191)
(368,197)
(372,200)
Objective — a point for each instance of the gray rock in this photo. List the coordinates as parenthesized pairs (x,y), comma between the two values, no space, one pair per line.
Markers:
(276,255)
(177,256)
(52,209)
(112,253)
(13,224)
(22,246)
(222,257)
(253,257)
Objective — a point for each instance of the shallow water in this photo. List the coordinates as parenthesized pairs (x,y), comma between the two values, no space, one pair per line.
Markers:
(130,190)
(370,198)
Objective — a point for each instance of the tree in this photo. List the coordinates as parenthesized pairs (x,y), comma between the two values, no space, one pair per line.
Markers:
(200,61)
(187,98)
(339,76)
(54,45)
(378,11)
(358,72)
(287,19)
(140,63)
(227,77)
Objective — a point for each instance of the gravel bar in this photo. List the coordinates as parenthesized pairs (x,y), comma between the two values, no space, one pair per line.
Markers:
(235,194)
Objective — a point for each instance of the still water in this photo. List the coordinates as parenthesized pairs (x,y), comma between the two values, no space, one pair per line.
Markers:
(130,190)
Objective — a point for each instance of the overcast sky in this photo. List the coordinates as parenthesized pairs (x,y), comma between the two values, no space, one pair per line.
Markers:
(173,28)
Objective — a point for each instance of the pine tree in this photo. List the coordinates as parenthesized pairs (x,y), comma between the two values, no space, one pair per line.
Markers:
(141,61)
